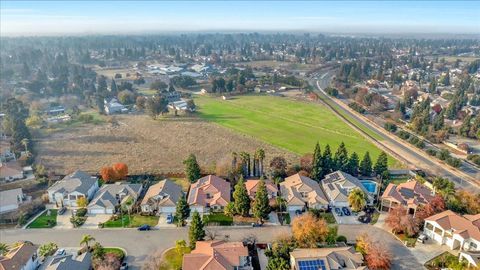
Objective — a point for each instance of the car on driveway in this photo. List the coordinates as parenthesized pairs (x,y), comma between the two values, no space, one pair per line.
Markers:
(364,219)
(422,238)
(144,227)
(61,210)
(338,212)
(124,266)
(169,219)
(255,224)
(346,211)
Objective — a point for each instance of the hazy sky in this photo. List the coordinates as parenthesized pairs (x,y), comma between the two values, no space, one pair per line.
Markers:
(91,17)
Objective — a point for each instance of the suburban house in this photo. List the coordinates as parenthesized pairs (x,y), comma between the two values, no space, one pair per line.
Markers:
(6,153)
(110,196)
(113,107)
(161,197)
(326,258)
(471,257)
(218,255)
(72,187)
(410,194)
(301,192)
(338,185)
(252,186)
(11,199)
(11,171)
(23,256)
(68,261)
(209,192)
(455,231)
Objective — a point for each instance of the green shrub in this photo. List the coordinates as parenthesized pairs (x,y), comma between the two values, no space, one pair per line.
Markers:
(431,152)
(81,212)
(391,127)
(342,238)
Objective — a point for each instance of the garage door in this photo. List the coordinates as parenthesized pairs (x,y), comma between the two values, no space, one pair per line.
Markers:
(294,208)
(96,211)
(169,209)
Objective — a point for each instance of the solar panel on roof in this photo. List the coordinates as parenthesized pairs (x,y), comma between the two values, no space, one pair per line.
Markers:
(312,265)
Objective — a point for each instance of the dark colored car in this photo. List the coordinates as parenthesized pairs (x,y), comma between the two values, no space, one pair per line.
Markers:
(144,227)
(61,210)
(124,266)
(255,224)
(338,212)
(364,219)
(346,211)
(298,212)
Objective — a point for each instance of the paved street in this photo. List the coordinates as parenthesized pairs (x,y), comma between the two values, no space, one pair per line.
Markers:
(139,245)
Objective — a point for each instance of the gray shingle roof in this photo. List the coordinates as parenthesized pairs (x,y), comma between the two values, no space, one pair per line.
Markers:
(67,262)
(77,181)
(106,195)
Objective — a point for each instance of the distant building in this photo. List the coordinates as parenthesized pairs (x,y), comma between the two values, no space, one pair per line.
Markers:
(172,96)
(11,199)
(57,110)
(218,255)
(114,107)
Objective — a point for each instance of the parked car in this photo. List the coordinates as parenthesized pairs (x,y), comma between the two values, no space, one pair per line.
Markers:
(169,219)
(144,227)
(422,238)
(346,211)
(338,212)
(364,219)
(255,224)
(124,266)
(61,210)
(60,252)
(298,212)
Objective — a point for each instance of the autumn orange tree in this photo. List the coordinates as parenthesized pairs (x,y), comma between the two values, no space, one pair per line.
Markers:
(400,221)
(377,256)
(121,170)
(108,174)
(308,230)
(436,205)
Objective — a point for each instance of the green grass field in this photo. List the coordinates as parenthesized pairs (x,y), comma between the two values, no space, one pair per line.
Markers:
(44,221)
(293,125)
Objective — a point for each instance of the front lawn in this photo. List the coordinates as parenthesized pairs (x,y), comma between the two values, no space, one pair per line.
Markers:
(445,260)
(133,222)
(44,220)
(116,251)
(172,259)
(217,219)
(327,216)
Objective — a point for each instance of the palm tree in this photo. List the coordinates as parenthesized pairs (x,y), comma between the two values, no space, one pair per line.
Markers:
(3,249)
(87,238)
(234,160)
(357,199)
(25,143)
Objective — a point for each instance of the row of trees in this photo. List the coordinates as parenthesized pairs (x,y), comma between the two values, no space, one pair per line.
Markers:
(243,205)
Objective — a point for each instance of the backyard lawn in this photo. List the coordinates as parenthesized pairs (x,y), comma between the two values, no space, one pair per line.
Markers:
(44,220)
(293,125)
(135,221)
(217,219)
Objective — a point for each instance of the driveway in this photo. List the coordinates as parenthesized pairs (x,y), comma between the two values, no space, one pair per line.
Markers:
(93,220)
(162,222)
(429,250)
(272,219)
(63,221)
(343,219)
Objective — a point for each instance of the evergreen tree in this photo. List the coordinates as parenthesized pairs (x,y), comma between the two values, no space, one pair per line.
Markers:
(366,165)
(327,161)
(466,125)
(182,211)
(381,165)
(261,206)
(317,164)
(438,122)
(341,158)
(352,165)
(192,169)
(113,88)
(196,231)
(241,198)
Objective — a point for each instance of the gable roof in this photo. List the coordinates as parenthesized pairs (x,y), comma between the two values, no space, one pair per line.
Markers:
(106,195)
(10,169)
(411,192)
(11,196)
(214,255)
(18,257)
(252,184)
(467,226)
(214,185)
(337,184)
(165,193)
(293,185)
(78,181)
(67,262)
(334,258)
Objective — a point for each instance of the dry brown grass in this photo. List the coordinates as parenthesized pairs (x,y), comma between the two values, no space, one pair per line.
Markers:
(146,145)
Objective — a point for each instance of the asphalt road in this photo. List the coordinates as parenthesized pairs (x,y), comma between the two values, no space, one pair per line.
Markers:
(140,245)
(419,161)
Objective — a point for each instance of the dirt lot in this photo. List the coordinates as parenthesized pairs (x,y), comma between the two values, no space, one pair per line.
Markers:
(146,145)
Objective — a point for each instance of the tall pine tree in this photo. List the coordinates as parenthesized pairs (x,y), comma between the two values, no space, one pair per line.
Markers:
(366,165)
(241,198)
(182,211)
(196,231)
(261,206)
(381,165)
(192,169)
(317,164)
(341,158)
(352,165)
(327,161)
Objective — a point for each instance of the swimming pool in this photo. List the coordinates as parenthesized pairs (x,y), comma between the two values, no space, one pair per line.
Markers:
(370,186)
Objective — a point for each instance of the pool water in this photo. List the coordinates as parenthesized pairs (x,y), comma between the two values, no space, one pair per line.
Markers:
(370,186)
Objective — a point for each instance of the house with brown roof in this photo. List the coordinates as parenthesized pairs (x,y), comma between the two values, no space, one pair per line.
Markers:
(11,171)
(411,195)
(301,192)
(326,259)
(161,197)
(217,255)
(209,193)
(252,187)
(22,256)
(453,230)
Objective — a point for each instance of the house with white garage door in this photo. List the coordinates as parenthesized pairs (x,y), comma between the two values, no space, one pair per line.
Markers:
(67,191)
(301,192)
(161,197)
(209,193)
(109,197)
(338,185)
(453,230)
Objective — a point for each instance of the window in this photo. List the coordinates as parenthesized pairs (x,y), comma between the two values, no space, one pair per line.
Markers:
(429,227)
(208,195)
(304,194)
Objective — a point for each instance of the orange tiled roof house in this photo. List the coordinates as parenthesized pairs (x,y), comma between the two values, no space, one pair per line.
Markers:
(410,194)
(217,255)
(209,193)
